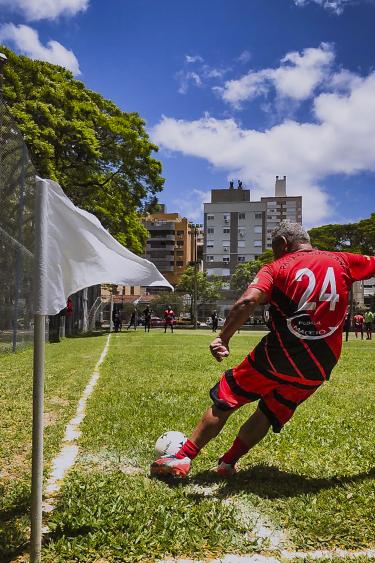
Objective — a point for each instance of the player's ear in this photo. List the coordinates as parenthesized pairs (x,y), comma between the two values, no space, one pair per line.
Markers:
(279,246)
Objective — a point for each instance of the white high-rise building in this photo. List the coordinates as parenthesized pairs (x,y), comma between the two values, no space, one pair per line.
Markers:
(238,230)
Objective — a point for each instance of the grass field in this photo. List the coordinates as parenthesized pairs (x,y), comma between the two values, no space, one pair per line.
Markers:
(313,483)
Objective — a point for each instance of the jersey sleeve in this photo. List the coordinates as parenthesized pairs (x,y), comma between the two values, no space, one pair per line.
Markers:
(263,280)
(361,266)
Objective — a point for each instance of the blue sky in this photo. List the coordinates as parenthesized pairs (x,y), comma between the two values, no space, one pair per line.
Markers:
(245,89)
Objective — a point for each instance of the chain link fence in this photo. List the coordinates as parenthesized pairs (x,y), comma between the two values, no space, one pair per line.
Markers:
(17,203)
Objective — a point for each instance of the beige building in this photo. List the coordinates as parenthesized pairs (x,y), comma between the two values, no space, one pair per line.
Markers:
(171,243)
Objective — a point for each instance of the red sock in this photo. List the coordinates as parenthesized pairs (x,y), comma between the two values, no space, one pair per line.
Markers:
(189,449)
(237,450)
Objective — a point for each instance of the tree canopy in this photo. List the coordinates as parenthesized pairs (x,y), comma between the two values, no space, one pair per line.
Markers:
(244,273)
(352,237)
(208,289)
(101,156)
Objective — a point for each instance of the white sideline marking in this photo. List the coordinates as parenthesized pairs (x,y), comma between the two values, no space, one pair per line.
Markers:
(282,555)
(69,450)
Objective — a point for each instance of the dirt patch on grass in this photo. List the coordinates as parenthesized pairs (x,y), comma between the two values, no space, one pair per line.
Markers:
(59,401)
(107,462)
(49,418)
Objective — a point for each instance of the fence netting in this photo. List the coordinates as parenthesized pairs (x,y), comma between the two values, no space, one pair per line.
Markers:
(17,204)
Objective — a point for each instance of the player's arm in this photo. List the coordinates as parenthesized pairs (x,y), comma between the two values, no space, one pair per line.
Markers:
(239,313)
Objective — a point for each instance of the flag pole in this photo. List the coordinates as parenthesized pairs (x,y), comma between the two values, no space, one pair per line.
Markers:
(40,264)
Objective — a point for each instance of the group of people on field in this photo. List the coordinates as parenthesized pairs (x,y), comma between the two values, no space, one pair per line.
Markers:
(169,319)
(362,323)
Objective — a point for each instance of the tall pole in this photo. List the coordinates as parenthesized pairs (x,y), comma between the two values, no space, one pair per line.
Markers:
(40,265)
(111,312)
(195,300)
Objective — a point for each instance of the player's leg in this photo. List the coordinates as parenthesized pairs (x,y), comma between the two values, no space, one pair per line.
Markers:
(207,428)
(249,435)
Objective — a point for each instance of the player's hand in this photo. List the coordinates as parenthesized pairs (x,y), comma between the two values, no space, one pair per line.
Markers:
(219,349)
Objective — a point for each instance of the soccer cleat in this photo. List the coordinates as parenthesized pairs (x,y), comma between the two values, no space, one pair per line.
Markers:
(170,466)
(226,470)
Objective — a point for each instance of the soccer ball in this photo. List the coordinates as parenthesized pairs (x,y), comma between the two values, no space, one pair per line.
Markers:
(169,443)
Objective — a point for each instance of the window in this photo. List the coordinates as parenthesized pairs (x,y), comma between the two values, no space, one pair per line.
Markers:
(241,215)
(210,245)
(257,243)
(241,244)
(180,243)
(226,259)
(241,259)
(226,218)
(226,231)
(209,259)
(210,230)
(258,215)
(257,230)
(180,233)
(241,233)
(179,263)
(180,252)
(210,217)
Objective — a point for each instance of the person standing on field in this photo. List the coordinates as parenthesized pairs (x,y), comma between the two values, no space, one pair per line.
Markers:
(147,318)
(307,290)
(133,319)
(215,321)
(168,318)
(358,322)
(369,319)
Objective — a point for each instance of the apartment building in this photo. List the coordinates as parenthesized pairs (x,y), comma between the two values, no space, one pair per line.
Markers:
(172,243)
(279,208)
(238,230)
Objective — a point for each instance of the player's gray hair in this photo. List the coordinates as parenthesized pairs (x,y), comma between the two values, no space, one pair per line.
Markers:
(293,232)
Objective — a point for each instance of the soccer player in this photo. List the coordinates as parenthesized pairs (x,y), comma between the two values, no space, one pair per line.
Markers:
(358,321)
(168,318)
(369,319)
(307,290)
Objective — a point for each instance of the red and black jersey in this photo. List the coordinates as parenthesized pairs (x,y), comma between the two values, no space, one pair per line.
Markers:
(168,315)
(308,295)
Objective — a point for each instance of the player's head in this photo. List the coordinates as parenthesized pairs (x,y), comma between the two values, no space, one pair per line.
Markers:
(288,237)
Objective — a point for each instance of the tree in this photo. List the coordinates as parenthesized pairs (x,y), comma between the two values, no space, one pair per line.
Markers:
(208,289)
(100,155)
(244,273)
(352,237)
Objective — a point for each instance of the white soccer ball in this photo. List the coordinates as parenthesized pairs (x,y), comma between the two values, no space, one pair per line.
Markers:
(169,443)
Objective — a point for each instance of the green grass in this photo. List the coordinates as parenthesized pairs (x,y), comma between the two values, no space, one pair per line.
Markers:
(68,368)
(315,480)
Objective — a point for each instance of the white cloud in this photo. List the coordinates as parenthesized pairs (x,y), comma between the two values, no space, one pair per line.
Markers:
(187,78)
(244,57)
(191,59)
(338,142)
(26,40)
(297,77)
(34,10)
(336,6)
(191,206)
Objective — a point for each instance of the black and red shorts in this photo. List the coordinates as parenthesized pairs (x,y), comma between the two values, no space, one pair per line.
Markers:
(278,397)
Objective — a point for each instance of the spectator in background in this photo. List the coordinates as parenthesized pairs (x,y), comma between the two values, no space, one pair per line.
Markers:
(147,318)
(69,317)
(369,319)
(133,319)
(168,318)
(215,321)
(116,319)
(358,322)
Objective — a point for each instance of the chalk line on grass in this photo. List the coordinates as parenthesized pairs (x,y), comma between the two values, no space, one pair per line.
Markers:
(282,556)
(69,449)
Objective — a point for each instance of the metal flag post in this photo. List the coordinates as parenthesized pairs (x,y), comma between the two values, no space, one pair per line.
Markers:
(40,265)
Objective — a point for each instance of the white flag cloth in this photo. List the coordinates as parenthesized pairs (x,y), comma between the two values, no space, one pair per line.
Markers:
(75,251)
